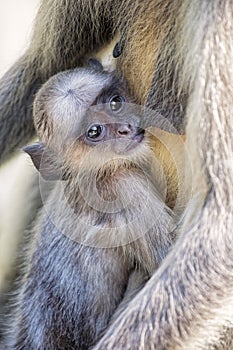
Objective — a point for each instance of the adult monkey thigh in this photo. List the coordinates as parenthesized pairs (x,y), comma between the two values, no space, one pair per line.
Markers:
(167,42)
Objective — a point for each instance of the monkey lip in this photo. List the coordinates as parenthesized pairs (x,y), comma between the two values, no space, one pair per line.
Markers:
(139,136)
(135,140)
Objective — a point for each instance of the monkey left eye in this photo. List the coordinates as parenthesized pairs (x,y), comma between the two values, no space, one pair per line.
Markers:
(96,132)
(116,103)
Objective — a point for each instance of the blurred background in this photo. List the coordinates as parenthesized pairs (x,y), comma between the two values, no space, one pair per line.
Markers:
(16,20)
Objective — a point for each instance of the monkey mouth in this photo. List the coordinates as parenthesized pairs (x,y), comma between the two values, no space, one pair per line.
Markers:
(135,140)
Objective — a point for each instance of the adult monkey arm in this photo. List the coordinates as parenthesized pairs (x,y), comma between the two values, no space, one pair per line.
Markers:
(189,300)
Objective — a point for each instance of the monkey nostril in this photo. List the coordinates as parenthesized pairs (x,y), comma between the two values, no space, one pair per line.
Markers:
(124,130)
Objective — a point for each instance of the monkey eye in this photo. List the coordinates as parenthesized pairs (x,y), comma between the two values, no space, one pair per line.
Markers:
(96,132)
(116,103)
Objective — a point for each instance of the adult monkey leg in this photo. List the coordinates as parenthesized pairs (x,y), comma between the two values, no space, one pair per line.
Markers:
(189,301)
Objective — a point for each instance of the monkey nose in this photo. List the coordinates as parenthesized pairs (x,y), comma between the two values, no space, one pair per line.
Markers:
(130,132)
(124,130)
(128,136)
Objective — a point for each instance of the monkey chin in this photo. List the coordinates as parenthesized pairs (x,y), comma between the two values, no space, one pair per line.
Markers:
(115,154)
(122,146)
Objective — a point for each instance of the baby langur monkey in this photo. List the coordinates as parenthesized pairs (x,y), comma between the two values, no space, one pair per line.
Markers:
(105,219)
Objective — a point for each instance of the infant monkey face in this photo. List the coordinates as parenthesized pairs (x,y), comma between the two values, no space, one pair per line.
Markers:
(110,122)
(107,139)
(89,110)
(121,135)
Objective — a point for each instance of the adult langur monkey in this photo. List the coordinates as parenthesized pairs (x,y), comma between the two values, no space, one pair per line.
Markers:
(177,57)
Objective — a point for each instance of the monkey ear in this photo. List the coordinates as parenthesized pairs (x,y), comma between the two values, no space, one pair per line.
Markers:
(118,49)
(93,63)
(44,160)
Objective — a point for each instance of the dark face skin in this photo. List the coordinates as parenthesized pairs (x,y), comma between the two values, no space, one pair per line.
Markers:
(110,127)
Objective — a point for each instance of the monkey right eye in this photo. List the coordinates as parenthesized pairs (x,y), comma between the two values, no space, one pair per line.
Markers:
(96,132)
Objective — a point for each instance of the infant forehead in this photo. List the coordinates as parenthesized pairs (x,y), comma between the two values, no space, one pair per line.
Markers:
(63,101)
(79,87)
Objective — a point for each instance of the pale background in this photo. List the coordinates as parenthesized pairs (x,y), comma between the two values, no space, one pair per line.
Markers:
(16,19)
